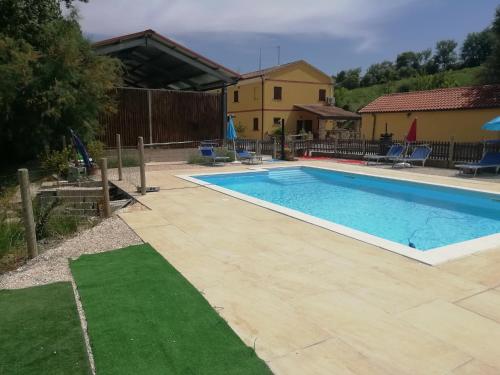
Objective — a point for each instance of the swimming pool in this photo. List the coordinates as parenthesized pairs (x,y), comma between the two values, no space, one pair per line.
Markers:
(412,218)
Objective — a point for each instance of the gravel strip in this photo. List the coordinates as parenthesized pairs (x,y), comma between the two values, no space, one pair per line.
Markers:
(52,265)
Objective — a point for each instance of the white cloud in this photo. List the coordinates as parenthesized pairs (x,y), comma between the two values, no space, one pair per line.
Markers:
(357,19)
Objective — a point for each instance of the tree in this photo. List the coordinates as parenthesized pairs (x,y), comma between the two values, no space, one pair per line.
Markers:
(408,64)
(339,79)
(380,73)
(445,57)
(491,73)
(477,47)
(50,84)
(351,78)
(22,19)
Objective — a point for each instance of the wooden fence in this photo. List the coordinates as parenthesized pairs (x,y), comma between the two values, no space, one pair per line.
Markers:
(162,116)
(443,153)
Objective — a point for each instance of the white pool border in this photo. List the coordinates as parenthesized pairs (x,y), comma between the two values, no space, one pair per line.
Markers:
(431,257)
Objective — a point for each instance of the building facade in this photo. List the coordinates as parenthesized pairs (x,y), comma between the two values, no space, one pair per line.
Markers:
(442,114)
(297,92)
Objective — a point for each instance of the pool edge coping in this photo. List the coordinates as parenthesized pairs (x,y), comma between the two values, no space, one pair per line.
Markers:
(432,257)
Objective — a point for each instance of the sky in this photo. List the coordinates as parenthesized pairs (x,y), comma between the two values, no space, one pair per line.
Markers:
(330,34)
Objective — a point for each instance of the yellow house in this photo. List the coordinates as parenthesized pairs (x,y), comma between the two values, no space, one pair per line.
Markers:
(441,114)
(297,92)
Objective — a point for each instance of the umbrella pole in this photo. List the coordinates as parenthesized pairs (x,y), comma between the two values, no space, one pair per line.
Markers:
(234,149)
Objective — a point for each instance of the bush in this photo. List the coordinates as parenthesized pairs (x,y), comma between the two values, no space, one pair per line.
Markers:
(11,235)
(95,150)
(57,161)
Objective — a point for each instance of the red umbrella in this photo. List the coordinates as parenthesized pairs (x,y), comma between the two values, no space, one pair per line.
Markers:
(412,133)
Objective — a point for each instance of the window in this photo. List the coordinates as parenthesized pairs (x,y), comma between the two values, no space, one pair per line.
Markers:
(322,95)
(277,93)
(236,96)
(277,121)
(255,124)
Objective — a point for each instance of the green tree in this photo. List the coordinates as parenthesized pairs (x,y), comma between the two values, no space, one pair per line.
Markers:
(351,78)
(492,67)
(445,56)
(62,85)
(408,64)
(477,47)
(339,79)
(380,73)
(22,19)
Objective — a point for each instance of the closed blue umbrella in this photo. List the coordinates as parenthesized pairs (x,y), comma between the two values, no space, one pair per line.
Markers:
(231,134)
(493,125)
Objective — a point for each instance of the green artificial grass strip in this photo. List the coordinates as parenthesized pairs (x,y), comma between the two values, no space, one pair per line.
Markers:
(144,317)
(40,332)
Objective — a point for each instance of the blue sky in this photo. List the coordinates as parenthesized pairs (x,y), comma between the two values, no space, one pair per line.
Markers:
(330,34)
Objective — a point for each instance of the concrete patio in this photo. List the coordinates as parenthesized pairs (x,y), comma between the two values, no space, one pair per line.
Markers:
(315,302)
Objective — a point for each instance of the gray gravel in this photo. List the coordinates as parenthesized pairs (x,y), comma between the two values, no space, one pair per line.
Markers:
(52,265)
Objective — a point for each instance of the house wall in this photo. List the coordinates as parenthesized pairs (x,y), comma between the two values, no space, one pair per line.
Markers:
(300,84)
(462,125)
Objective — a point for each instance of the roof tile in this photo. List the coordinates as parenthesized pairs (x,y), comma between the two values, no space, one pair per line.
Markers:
(487,96)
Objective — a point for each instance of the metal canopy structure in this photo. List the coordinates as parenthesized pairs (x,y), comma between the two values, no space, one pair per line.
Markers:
(155,62)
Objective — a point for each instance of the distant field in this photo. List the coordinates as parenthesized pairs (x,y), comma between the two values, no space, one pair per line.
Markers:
(357,98)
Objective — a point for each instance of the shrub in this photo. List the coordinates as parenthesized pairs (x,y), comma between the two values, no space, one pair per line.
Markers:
(57,161)
(95,150)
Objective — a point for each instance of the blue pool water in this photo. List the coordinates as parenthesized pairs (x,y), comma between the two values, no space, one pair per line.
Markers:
(427,216)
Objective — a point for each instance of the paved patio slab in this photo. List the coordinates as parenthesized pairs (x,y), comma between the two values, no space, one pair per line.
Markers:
(312,301)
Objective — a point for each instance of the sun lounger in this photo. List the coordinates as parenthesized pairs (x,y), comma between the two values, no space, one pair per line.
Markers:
(419,155)
(248,157)
(489,160)
(209,154)
(394,152)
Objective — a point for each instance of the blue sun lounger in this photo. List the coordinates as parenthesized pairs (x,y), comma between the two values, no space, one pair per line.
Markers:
(394,152)
(248,157)
(489,160)
(209,154)
(419,155)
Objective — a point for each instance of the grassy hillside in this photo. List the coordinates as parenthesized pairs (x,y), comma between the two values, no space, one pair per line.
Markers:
(357,98)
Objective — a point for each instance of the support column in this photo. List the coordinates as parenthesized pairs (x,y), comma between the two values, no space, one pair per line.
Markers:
(223,104)
(150,117)
(142,166)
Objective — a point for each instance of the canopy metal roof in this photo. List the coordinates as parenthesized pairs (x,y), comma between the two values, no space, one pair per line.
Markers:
(153,61)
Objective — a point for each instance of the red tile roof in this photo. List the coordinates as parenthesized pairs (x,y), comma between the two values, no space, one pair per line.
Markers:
(436,100)
(328,111)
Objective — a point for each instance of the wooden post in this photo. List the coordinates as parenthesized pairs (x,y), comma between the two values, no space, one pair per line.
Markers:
(29,222)
(105,188)
(119,156)
(142,166)
(451,151)
(63,139)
